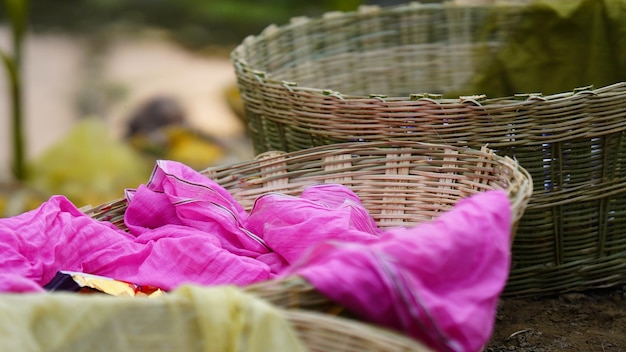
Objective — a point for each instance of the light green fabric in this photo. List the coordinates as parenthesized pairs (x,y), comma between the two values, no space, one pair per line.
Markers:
(191,318)
(556,46)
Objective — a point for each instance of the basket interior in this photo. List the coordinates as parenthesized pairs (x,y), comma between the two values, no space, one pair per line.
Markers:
(501,49)
(399,183)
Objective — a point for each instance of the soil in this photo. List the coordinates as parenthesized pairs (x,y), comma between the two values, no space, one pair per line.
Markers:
(589,321)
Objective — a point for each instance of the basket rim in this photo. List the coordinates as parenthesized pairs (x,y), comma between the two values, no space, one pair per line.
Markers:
(518,194)
(520,100)
(526,187)
(272,30)
(302,322)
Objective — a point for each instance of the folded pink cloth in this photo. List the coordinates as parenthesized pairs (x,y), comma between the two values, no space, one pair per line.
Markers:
(438,282)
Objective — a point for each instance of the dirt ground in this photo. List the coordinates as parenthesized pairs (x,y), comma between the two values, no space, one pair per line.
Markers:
(590,321)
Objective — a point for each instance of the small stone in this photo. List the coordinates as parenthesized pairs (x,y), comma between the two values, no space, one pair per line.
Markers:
(573,297)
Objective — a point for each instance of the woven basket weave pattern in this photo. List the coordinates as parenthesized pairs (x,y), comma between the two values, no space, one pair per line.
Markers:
(361,76)
(322,333)
(399,183)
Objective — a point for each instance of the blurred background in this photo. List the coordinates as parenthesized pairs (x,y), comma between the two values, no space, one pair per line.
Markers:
(109,86)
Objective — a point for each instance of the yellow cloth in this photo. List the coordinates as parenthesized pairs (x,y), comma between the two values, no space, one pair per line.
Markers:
(188,319)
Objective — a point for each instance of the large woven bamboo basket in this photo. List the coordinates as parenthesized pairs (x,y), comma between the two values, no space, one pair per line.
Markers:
(418,72)
(400,183)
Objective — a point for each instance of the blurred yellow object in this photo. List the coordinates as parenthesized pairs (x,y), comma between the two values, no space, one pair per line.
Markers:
(233,98)
(89,166)
(16,198)
(180,143)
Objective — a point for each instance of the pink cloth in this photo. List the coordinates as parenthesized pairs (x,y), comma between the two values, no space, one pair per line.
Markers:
(291,225)
(184,228)
(438,282)
(56,236)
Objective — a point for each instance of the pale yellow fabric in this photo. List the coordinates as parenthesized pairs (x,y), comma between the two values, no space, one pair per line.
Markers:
(188,319)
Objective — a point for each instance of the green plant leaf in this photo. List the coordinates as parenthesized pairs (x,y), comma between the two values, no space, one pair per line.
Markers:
(17,11)
(9,64)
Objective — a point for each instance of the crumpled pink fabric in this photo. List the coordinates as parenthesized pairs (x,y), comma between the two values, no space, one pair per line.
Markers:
(183,228)
(438,282)
(56,236)
(321,213)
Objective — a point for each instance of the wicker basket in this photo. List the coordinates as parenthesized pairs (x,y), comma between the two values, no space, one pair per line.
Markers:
(400,184)
(359,76)
(323,333)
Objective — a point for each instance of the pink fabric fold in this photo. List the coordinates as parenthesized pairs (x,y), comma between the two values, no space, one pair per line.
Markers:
(57,236)
(291,225)
(190,199)
(183,228)
(438,282)
(36,244)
